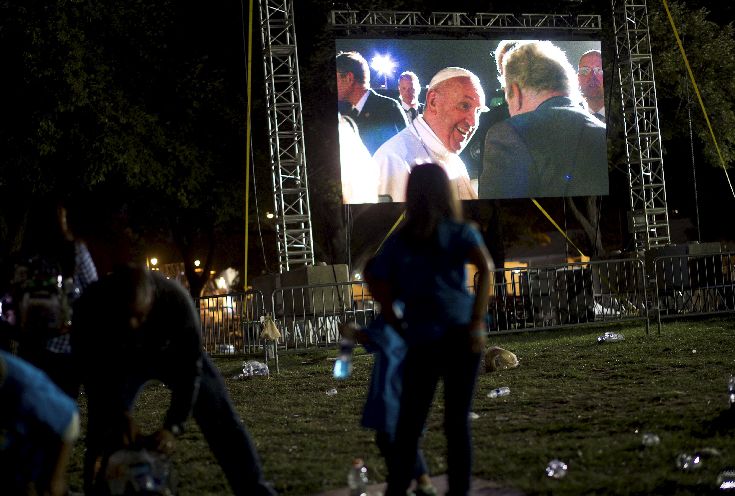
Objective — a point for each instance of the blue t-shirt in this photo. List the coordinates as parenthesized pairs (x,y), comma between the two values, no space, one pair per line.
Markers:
(31,401)
(430,278)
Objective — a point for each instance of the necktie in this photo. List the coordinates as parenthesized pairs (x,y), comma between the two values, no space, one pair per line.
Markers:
(599,116)
(413,113)
(354,112)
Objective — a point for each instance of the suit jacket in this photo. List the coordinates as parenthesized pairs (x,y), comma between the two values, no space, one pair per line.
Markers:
(557,150)
(419,111)
(474,153)
(380,119)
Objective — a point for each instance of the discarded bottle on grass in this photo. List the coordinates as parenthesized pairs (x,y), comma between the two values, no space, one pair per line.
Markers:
(688,462)
(498,392)
(726,480)
(610,337)
(731,391)
(138,472)
(253,368)
(343,364)
(556,469)
(357,479)
(650,439)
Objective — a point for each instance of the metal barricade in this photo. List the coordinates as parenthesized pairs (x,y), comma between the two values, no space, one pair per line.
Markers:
(547,297)
(694,285)
(232,323)
(310,316)
(521,299)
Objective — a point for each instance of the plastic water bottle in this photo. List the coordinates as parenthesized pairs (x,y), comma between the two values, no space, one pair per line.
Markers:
(731,391)
(556,469)
(610,337)
(687,462)
(357,479)
(726,480)
(139,471)
(650,439)
(343,365)
(498,392)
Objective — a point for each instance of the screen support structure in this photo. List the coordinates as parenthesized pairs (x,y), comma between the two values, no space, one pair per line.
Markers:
(286,135)
(649,217)
(638,92)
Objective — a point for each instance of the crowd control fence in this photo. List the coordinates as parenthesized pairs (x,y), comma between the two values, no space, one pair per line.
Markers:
(689,285)
(520,300)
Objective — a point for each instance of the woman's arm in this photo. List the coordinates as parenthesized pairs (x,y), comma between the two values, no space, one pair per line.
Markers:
(480,258)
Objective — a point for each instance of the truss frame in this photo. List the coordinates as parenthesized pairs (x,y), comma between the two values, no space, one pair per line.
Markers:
(286,135)
(648,208)
(649,217)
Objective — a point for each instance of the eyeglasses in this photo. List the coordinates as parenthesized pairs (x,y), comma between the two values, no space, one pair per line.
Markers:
(585,71)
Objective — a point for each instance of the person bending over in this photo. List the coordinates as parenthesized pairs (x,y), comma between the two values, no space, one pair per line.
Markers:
(133,326)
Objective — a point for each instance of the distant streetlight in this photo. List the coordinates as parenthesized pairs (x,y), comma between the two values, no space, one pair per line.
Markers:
(197,262)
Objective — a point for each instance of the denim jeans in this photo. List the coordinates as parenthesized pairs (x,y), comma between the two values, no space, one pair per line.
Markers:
(451,360)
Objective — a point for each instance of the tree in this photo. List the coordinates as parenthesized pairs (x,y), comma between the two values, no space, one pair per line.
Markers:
(709,42)
(137,98)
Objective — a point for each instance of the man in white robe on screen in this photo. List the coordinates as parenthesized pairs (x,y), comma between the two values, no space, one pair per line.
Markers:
(358,170)
(454,101)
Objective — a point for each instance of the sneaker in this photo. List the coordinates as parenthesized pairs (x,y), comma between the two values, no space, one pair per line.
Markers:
(427,490)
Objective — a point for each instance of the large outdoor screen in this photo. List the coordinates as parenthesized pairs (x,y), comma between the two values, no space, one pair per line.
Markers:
(538,131)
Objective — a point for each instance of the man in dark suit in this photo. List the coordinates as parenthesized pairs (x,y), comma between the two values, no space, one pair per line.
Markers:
(474,154)
(409,88)
(378,118)
(589,73)
(550,146)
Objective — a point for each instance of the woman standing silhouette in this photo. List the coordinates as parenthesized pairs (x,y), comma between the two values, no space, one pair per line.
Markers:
(422,265)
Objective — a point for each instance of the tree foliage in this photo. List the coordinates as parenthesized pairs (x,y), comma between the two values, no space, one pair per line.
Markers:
(710,49)
(140,98)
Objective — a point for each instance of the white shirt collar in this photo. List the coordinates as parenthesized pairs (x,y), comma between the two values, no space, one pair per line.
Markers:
(407,107)
(430,139)
(449,160)
(361,103)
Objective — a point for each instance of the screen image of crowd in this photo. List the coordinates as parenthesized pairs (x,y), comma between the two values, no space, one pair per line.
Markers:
(504,118)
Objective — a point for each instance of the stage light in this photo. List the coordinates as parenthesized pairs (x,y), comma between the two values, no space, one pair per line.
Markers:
(269,215)
(383,65)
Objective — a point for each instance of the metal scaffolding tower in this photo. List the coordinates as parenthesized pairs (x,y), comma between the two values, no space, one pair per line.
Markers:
(649,217)
(286,135)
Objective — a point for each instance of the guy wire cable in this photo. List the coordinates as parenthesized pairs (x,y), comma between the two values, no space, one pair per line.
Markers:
(553,222)
(257,210)
(248,47)
(694,165)
(699,96)
(566,231)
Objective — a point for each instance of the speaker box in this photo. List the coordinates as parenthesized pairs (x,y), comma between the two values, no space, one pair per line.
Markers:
(300,297)
(266,284)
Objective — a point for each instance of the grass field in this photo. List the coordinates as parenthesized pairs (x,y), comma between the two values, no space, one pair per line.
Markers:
(571,398)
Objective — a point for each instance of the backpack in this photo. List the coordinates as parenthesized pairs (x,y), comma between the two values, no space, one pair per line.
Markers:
(42,296)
